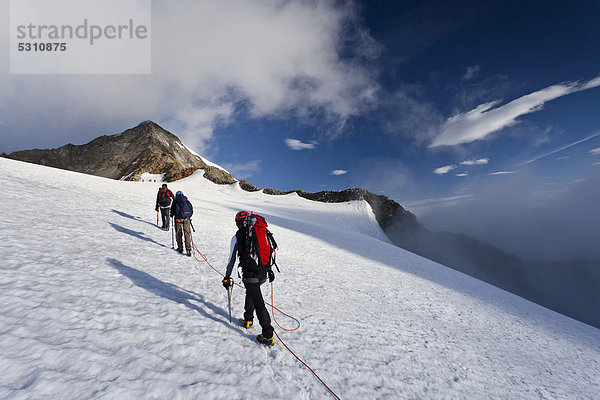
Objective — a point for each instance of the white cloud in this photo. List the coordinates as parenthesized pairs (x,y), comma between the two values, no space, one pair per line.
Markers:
(486,118)
(592,83)
(503,173)
(444,170)
(338,172)
(273,58)
(595,151)
(480,161)
(244,170)
(462,175)
(472,72)
(296,144)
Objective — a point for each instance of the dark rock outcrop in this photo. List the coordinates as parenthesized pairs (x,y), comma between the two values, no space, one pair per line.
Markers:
(387,212)
(218,176)
(248,187)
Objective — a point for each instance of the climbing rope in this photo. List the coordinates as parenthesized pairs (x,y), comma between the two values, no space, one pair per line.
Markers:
(306,365)
(204,259)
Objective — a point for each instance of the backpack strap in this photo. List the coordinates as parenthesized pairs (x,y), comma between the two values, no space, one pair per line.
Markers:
(273,244)
(271,239)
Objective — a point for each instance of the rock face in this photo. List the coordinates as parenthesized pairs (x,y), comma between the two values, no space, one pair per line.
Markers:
(127,155)
(387,212)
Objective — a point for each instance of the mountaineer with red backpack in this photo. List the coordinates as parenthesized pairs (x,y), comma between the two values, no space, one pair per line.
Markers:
(255,247)
(182,210)
(164,198)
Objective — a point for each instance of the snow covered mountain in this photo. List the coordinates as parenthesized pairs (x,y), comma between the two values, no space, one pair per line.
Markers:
(96,305)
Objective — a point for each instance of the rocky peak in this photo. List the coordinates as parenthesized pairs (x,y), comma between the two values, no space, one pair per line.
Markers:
(127,155)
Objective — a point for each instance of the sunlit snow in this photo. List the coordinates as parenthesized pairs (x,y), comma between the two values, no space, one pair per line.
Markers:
(96,305)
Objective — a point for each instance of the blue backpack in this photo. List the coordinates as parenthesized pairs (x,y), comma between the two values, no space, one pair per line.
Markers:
(183,208)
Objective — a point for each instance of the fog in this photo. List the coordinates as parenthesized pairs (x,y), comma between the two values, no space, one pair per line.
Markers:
(535,222)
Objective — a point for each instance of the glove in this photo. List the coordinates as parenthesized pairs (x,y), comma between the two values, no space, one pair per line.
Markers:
(156,208)
(271,276)
(227,281)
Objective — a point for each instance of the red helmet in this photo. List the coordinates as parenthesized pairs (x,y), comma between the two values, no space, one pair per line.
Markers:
(241,215)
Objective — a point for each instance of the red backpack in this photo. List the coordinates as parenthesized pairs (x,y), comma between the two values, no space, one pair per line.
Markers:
(260,243)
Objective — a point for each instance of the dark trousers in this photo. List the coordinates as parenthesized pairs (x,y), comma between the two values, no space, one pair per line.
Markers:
(164,213)
(255,302)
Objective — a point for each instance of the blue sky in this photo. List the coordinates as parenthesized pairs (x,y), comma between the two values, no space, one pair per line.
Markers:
(437,63)
(433,103)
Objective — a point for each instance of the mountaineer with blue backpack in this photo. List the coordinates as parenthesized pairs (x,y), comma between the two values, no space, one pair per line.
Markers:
(182,211)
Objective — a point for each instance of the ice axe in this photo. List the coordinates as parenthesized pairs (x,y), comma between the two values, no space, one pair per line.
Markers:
(229,292)
(172,233)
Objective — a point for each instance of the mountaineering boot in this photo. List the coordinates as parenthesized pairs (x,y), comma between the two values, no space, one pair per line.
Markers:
(247,324)
(180,251)
(266,341)
(188,253)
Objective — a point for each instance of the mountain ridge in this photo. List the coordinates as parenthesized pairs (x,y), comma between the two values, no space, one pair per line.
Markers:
(150,148)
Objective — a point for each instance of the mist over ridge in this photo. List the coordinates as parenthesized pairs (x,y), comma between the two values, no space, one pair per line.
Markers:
(559,224)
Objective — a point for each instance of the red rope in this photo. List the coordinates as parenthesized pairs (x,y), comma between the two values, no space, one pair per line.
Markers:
(205,260)
(273,308)
(306,365)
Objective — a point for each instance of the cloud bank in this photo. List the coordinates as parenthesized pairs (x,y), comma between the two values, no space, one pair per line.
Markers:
(486,118)
(520,216)
(212,61)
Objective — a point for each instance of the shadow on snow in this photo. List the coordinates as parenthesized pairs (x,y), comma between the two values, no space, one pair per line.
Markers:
(172,292)
(139,235)
(133,217)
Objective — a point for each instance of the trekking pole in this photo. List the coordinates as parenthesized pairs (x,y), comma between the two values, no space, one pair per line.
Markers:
(172,233)
(229,292)
(156,217)
(192,226)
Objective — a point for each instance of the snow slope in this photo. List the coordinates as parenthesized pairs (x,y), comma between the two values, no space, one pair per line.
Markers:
(96,305)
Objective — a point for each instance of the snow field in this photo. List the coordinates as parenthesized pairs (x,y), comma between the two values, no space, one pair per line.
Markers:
(96,305)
